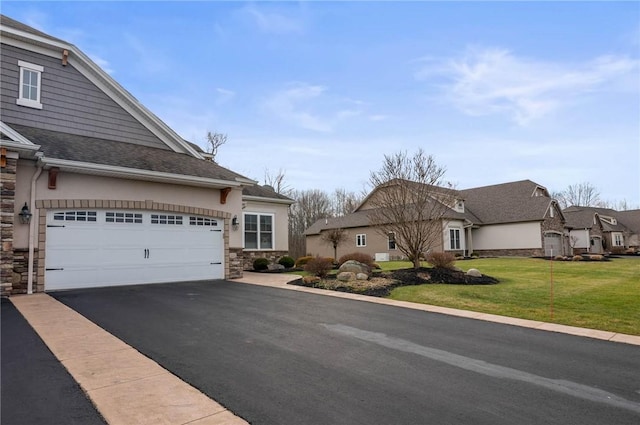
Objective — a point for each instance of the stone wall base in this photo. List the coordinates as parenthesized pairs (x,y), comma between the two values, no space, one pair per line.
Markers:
(20,276)
(533,252)
(235,263)
(272,256)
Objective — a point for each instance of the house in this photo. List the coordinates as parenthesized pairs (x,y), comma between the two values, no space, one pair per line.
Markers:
(516,218)
(98,191)
(600,230)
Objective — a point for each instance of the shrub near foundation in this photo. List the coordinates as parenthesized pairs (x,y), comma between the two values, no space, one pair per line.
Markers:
(443,260)
(319,266)
(357,256)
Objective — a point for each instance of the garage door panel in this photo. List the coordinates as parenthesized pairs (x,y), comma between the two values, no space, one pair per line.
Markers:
(144,247)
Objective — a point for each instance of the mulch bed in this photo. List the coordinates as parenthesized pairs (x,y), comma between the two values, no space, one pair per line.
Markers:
(381,284)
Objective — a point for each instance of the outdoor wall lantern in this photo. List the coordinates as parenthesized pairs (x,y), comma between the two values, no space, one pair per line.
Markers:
(235,223)
(25,214)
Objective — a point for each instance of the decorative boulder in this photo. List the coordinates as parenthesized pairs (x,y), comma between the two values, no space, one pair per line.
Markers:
(346,276)
(474,273)
(354,266)
(362,276)
(275,267)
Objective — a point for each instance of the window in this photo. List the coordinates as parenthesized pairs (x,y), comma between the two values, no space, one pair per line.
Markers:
(617,239)
(361,240)
(166,219)
(123,217)
(30,84)
(75,216)
(454,238)
(258,231)
(201,221)
(392,241)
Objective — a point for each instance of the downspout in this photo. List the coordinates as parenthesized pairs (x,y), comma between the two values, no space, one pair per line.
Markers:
(32,223)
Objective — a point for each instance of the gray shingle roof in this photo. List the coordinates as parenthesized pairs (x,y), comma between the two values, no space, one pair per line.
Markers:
(582,218)
(506,203)
(73,147)
(630,219)
(264,192)
(11,23)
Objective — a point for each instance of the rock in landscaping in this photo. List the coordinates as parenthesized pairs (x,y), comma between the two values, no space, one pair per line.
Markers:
(474,273)
(275,267)
(356,267)
(362,276)
(346,276)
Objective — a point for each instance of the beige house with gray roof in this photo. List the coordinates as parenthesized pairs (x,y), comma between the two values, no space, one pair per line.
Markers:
(516,218)
(98,191)
(597,230)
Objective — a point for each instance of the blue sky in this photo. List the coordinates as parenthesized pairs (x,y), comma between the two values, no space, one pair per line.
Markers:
(495,91)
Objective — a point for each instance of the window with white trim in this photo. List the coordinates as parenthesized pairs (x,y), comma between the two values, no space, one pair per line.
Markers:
(202,221)
(454,239)
(75,216)
(166,219)
(123,217)
(361,240)
(258,231)
(618,240)
(30,85)
(392,241)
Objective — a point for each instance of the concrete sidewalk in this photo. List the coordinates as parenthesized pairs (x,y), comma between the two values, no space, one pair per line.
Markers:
(125,386)
(281,280)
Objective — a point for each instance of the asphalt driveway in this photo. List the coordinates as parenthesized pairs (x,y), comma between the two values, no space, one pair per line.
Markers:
(274,356)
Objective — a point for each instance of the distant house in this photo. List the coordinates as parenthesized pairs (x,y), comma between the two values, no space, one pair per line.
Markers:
(516,218)
(601,230)
(98,191)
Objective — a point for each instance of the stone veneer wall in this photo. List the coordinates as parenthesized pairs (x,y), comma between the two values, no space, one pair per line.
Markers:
(21,270)
(7,219)
(272,256)
(533,252)
(236,263)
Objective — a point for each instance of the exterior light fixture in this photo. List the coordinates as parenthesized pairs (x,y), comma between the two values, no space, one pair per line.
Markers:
(25,214)
(235,223)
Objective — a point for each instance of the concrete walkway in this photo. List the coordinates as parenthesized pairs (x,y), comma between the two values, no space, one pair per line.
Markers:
(129,388)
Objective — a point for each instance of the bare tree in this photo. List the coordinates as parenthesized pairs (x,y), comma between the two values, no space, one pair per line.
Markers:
(214,141)
(278,182)
(310,206)
(344,202)
(334,237)
(408,201)
(580,194)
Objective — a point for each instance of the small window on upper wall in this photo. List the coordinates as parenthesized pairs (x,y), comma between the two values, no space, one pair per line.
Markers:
(30,85)
(361,240)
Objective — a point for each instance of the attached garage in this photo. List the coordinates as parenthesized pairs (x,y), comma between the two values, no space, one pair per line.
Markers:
(552,244)
(94,248)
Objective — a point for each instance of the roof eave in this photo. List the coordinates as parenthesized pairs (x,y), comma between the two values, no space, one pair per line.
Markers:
(266,199)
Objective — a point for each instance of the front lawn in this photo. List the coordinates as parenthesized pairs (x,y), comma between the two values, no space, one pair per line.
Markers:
(598,295)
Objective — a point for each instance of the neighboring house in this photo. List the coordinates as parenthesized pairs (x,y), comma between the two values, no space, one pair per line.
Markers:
(517,218)
(97,191)
(600,230)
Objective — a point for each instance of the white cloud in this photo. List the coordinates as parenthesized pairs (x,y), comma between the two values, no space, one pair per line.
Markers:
(272,22)
(491,81)
(224,96)
(294,104)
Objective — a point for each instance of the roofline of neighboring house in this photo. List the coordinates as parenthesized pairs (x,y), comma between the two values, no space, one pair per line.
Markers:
(138,174)
(267,199)
(101,79)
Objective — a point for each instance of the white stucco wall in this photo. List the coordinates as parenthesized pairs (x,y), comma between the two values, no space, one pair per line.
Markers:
(508,236)
(581,238)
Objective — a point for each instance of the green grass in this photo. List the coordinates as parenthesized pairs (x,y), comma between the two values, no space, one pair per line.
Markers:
(598,295)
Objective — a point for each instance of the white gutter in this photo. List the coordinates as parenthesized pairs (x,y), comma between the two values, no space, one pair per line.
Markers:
(32,225)
(138,174)
(265,199)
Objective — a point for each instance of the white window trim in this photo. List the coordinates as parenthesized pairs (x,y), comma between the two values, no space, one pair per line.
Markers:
(395,244)
(618,239)
(273,231)
(21,99)
(361,237)
(461,245)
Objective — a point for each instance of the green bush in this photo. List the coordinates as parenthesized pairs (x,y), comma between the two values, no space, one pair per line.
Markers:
(287,262)
(357,256)
(260,264)
(475,255)
(319,266)
(301,261)
(444,260)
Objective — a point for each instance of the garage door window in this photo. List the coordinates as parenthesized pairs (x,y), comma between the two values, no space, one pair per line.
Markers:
(201,221)
(166,219)
(258,231)
(75,216)
(123,217)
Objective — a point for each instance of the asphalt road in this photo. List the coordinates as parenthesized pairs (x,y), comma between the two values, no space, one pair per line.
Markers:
(36,388)
(274,356)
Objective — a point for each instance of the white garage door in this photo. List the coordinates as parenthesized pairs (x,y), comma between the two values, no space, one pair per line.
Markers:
(552,244)
(92,248)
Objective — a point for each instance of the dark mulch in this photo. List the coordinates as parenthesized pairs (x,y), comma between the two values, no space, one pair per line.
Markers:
(381,284)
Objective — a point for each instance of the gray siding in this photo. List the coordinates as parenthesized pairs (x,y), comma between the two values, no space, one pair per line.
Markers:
(70,102)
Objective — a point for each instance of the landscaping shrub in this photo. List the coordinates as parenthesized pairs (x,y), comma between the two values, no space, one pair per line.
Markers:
(301,261)
(596,257)
(444,260)
(559,258)
(577,258)
(319,266)
(475,255)
(357,256)
(287,262)
(260,264)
